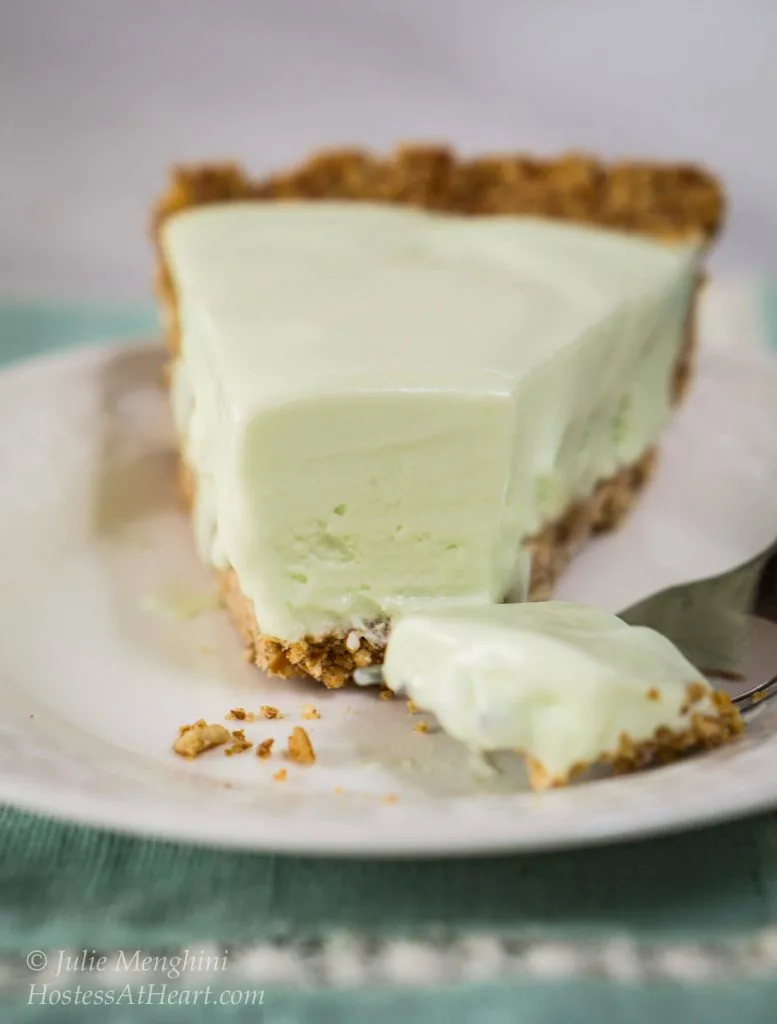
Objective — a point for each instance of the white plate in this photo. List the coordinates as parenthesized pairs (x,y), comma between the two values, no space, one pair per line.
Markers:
(94,683)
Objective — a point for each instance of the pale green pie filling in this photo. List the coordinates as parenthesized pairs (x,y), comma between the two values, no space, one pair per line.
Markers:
(380,404)
(559,682)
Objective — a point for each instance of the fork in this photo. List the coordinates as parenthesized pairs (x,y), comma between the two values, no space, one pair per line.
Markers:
(708,620)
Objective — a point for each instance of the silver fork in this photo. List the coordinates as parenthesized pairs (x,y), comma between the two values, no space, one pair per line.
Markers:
(709,620)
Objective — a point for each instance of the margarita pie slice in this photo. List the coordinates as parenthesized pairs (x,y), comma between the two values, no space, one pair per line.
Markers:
(387,405)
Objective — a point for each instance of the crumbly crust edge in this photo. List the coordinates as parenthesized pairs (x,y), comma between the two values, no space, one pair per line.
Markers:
(663,201)
(705,730)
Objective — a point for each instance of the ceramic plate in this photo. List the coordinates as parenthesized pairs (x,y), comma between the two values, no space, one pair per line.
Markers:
(96,674)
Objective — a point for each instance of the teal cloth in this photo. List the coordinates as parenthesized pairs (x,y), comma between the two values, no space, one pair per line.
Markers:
(69,887)
(94,887)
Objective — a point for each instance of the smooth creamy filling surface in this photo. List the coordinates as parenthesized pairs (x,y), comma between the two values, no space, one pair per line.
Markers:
(559,682)
(380,404)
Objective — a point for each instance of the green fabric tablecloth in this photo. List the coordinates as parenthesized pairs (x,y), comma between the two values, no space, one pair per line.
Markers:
(680,928)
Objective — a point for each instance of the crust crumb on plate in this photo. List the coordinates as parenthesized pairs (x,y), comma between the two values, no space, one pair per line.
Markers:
(239,743)
(264,749)
(309,712)
(280,775)
(421,727)
(300,749)
(268,711)
(390,798)
(198,737)
(241,715)
(412,707)
(386,694)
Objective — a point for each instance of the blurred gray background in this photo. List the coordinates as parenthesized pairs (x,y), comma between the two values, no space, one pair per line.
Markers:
(98,97)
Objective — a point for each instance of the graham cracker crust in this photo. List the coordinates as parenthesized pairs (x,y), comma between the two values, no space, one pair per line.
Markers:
(661,201)
(705,731)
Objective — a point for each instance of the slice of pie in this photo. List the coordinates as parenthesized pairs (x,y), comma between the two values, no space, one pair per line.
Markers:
(397,383)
